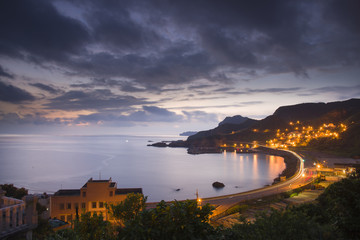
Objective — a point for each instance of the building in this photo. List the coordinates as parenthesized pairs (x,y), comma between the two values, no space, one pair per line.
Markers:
(92,197)
(17,216)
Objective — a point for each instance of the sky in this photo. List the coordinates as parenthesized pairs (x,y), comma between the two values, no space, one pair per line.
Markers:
(157,67)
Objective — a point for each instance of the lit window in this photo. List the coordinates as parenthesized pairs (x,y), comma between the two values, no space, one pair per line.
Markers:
(93,204)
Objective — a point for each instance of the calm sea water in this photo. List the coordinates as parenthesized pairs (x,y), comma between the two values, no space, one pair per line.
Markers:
(50,163)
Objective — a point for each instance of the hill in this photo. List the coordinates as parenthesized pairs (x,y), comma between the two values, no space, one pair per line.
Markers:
(238,119)
(290,118)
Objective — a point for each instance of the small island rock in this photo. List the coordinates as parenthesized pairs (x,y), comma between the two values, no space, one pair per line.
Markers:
(158,144)
(218,185)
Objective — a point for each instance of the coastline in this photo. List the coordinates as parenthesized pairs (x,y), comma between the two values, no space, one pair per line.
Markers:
(291,162)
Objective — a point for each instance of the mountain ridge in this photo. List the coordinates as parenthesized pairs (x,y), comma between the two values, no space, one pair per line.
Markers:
(314,114)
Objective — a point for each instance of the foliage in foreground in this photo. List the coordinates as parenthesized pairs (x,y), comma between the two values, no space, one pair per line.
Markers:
(14,192)
(336,215)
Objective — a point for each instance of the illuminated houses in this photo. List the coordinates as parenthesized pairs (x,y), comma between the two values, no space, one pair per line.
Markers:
(92,197)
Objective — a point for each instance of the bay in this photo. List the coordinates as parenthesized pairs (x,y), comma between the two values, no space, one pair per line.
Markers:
(49,163)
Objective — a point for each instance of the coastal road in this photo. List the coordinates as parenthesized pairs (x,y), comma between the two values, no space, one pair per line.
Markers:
(299,179)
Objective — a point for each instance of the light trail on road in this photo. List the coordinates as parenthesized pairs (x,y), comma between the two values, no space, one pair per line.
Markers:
(226,201)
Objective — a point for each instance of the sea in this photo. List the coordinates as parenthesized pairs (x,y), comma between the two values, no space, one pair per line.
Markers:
(43,163)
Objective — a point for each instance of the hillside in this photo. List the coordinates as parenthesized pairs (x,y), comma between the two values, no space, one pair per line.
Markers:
(238,119)
(306,114)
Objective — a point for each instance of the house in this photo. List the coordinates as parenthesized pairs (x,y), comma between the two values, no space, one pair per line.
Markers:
(17,216)
(68,204)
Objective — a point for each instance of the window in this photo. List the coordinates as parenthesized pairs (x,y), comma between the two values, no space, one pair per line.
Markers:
(11,217)
(93,204)
(83,205)
(76,205)
(62,218)
(17,217)
(101,204)
(111,193)
(84,194)
(69,218)
(68,206)
(3,219)
(62,206)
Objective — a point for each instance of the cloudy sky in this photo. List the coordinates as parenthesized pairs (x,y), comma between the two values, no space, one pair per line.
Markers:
(164,67)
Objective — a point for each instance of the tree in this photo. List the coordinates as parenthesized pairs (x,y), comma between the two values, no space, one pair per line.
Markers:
(14,192)
(276,225)
(341,201)
(128,209)
(93,227)
(178,220)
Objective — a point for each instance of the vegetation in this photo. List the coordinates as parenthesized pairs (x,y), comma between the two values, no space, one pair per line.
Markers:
(335,215)
(129,209)
(237,209)
(14,192)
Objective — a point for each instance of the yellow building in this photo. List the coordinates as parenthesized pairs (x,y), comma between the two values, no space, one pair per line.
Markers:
(92,197)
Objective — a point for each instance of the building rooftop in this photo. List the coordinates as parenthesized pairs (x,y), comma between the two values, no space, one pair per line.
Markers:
(68,192)
(119,191)
(111,184)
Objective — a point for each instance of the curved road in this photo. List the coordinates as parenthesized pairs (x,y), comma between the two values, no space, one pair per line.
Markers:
(224,202)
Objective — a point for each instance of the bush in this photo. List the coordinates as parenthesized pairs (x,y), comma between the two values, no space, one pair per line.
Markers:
(237,209)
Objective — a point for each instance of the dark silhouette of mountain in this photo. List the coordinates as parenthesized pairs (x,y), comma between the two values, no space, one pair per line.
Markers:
(314,114)
(311,113)
(238,119)
(223,129)
(188,133)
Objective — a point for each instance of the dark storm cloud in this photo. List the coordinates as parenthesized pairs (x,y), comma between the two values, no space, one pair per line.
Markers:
(274,90)
(116,30)
(3,73)
(152,44)
(345,92)
(344,12)
(201,116)
(249,91)
(47,88)
(154,114)
(35,29)
(34,119)
(100,99)
(176,65)
(202,86)
(147,114)
(12,94)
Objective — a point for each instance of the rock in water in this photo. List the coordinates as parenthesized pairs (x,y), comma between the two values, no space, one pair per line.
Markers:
(218,185)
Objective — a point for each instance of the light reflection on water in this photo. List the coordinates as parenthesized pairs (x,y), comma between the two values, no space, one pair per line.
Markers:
(48,163)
